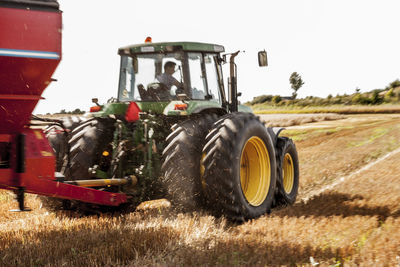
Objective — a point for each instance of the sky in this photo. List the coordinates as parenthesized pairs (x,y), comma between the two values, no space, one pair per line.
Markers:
(336,46)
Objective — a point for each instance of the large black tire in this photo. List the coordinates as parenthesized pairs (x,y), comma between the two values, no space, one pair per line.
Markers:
(181,170)
(58,137)
(240,167)
(87,143)
(288,172)
(85,133)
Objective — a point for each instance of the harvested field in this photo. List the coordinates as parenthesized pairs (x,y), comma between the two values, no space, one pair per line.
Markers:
(353,222)
(285,120)
(339,109)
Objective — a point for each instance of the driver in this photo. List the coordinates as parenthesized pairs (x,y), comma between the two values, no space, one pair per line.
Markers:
(166,78)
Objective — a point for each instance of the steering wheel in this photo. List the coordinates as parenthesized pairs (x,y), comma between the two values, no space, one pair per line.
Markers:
(155,89)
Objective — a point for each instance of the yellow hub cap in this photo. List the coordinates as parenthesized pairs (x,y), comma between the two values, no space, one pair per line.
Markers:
(288,173)
(255,171)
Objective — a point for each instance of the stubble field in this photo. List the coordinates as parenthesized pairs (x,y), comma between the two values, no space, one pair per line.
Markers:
(347,213)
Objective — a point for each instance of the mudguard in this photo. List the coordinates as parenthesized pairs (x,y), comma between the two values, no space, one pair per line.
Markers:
(274,133)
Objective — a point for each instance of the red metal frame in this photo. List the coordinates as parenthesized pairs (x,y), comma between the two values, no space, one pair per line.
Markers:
(30,50)
(38,177)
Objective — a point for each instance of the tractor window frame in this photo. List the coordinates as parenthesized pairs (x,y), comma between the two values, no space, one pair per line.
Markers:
(218,76)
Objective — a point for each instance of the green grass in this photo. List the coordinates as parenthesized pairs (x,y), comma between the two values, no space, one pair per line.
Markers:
(303,134)
(377,133)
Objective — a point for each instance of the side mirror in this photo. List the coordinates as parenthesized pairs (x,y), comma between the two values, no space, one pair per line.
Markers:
(262,59)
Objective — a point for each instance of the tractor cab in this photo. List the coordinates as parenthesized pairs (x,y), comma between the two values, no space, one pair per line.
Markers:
(154,72)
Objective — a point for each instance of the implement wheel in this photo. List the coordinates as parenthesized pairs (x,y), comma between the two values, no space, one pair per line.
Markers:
(181,162)
(240,167)
(288,171)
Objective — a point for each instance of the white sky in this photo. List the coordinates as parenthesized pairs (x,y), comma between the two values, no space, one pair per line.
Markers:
(335,45)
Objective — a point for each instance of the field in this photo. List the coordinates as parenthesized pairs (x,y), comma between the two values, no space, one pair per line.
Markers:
(347,213)
(339,109)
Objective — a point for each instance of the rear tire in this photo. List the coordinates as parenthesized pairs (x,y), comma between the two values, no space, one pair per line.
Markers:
(288,172)
(181,162)
(58,137)
(87,142)
(240,167)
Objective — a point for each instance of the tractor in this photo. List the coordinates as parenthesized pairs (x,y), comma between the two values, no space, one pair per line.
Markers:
(174,132)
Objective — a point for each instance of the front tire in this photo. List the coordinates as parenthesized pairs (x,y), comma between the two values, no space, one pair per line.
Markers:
(240,167)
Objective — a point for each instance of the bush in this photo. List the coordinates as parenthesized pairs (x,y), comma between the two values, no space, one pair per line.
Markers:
(356,99)
(395,83)
(261,99)
(390,93)
(376,98)
(75,111)
(360,99)
(389,96)
(276,99)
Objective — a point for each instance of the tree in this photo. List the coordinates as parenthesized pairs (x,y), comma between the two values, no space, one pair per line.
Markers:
(395,84)
(295,82)
(77,111)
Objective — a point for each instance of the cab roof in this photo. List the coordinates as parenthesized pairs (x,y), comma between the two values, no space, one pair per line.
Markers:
(170,47)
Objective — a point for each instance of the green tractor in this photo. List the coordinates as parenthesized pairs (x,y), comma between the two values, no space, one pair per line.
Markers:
(173,132)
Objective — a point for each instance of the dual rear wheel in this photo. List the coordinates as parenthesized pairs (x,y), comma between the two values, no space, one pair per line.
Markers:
(240,167)
(288,172)
(230,166)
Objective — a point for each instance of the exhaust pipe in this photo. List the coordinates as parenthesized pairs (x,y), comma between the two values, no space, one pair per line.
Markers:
(232,84)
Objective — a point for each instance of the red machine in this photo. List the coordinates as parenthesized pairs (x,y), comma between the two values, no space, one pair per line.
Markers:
(30,51)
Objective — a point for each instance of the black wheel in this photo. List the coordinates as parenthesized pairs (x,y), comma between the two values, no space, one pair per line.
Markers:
(181,162)
(288,171)
(85,139)
(58,137)
(87,142)
(240,167)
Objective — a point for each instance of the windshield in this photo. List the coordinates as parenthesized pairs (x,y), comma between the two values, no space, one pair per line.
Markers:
(163,77)
(150,77)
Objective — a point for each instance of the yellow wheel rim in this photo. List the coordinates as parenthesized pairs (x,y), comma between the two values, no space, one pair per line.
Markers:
(202,171)
(255,171)
(288,173)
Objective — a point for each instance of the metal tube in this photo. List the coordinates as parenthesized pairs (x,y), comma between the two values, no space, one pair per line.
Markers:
(105,182)
(20,151)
